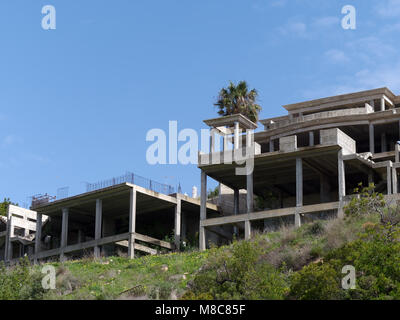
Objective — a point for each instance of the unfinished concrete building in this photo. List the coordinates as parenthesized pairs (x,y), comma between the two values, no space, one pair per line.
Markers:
(305,163)
(17,232)
(121,218)
(303,166)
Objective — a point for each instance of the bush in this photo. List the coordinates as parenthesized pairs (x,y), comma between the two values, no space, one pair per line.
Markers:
(315,282)
(237,272)
(376,259)
(20,282)
(316,228)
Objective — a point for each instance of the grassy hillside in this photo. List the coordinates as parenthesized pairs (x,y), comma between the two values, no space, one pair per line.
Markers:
(303,263)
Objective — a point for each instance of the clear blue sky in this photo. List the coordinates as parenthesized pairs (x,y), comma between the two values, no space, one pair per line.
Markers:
(76,102)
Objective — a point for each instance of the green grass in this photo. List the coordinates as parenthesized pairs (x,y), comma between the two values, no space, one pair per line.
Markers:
(146,277)
(108,278)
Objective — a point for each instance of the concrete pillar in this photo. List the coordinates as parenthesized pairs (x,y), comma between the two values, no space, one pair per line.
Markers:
(394,179)
(311,138)
(389,179)
(132,223)
(184,227)
(382,104)
(80,236)
(247,230)
(383,142)
(249,138)
(371,138)
(341,183)
(299,191)
(212,141)
(98,222)
(250,195)
(370,176)
(178,223)
(235,207)
(325,188)
(372,104)
(64,232)
(271,145)
(396,152)
(399,130)
(203,210)
(38,234)
(225,142)
(236,135)
(9,234)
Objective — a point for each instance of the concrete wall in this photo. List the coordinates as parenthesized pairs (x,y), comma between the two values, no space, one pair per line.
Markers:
(336,136)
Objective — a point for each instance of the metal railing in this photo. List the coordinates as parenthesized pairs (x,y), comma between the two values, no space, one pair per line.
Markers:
(130,177)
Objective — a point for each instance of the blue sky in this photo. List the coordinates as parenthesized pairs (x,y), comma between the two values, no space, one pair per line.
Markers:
(76,102)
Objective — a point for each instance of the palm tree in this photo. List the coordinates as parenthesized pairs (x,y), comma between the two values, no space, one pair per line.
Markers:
(238,99)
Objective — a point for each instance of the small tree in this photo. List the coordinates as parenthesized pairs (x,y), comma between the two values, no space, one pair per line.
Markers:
(366,201)
(4,206)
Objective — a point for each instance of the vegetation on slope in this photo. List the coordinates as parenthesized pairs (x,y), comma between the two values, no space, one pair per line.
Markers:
(303,263)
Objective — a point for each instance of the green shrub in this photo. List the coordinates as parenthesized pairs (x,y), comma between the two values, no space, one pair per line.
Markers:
(237,272)
(20,282)
(376,259)
(315,282)
(316,228)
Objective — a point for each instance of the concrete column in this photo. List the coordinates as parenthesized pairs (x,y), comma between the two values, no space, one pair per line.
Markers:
(250,195)
(80,236)
(249,138)
(225,142)
(325,189)
(132,223)
(370,177)
(371,138)
(203,210)
(236,201)
(372,104)
(212,141)
(383,142)
(399,130)
(184,227)
(64,232)
(382,104)
(341,183)
(299,191)
(271,145)
(247,230)
(9,235)
(236,135)
(396,152)
(178,223)
(98,222)
(38,234)
(394,180)
(235,207)
(389,179)
(311,138)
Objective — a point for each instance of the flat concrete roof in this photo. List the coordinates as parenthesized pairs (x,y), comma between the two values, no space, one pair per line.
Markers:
(340,98)
(116,201)
(380,117)
(244,122)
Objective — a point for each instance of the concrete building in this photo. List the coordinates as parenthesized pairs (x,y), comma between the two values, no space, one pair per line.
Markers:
(305,163)
(300,167)
(17,232)
(121,218)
